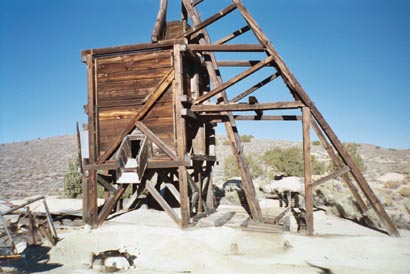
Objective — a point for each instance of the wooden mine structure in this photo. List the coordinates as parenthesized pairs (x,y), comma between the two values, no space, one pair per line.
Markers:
(152,109)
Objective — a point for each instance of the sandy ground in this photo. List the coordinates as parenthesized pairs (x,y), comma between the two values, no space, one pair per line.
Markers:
(338,246)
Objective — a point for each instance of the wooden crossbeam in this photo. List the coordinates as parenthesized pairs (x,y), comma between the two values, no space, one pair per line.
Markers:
(233,80)
(134,47)
(164,147)
(253,101)
(269,118)
(232,35)
(160,21)
(256,87)
(331,176)
(210,20)
(238,63)
(336,161)
(246,107)
(216,118)
(187,113)
(160,89)
(110,203)
(101,180)
(154,164)
(161,201)
(227,48)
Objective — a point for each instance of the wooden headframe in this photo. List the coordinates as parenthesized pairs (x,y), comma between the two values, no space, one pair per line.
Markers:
(171,92)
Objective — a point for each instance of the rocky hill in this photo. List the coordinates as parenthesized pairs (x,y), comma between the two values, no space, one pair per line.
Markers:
(38,167)
(35,167)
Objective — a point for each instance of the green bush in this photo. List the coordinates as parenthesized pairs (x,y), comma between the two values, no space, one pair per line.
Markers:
(231,168)
(289,161)
(316,143)
(73,180)
(246,138)
(351,148)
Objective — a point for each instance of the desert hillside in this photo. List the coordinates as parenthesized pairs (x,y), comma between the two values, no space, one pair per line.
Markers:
(38,167)
(35,167)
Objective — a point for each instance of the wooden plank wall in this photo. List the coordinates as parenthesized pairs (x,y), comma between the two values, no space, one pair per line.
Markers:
(124,82)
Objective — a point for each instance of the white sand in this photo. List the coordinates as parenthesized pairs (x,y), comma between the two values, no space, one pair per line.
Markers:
(162,247)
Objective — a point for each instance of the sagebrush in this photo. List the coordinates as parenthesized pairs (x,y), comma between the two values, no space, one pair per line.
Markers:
(73,180)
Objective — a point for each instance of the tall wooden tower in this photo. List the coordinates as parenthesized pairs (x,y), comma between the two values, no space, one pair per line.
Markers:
(152,109)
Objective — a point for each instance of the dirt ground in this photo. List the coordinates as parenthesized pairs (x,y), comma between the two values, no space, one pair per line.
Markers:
(338,246)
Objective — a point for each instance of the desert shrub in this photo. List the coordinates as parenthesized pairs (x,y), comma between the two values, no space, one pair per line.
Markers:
(351,148)
(392,184)
(246,138)
(316,143)
(226,143)
(73,180)
(231,168)
(289,161)
(377,147)
(405,192)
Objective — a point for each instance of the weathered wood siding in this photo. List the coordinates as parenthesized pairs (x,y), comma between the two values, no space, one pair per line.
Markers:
(123,83)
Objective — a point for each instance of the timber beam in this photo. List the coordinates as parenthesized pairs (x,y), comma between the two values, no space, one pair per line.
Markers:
(246,107)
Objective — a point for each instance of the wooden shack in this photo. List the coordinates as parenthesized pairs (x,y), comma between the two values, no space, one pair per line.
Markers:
(152,109)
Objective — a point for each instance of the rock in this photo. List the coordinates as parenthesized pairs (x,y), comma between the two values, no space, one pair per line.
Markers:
(395,177)
(287,245)
(292,183)
(119,263)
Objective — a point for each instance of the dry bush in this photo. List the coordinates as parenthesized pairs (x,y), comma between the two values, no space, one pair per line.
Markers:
(392,184)
(405,192)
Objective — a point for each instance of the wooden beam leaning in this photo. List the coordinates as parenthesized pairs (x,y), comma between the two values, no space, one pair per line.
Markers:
(297,90)
(101,180)
(161,201)
(147,132)
(233,80)
(255,87)
(246,107)
(110,203)
(161,88)
(307,170)
(196,2)
(208,21)
(160,22)
(230,125)
(336,161)
(333,175)
(233,35)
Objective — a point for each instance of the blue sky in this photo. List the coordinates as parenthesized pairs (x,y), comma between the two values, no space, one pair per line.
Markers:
(352,57)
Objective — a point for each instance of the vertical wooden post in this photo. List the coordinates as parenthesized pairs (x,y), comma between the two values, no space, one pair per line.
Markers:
(181,136)
(90,193)
(308,170)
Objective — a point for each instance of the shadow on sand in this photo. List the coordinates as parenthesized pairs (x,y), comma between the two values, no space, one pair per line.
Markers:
(322,270)
(34,260)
